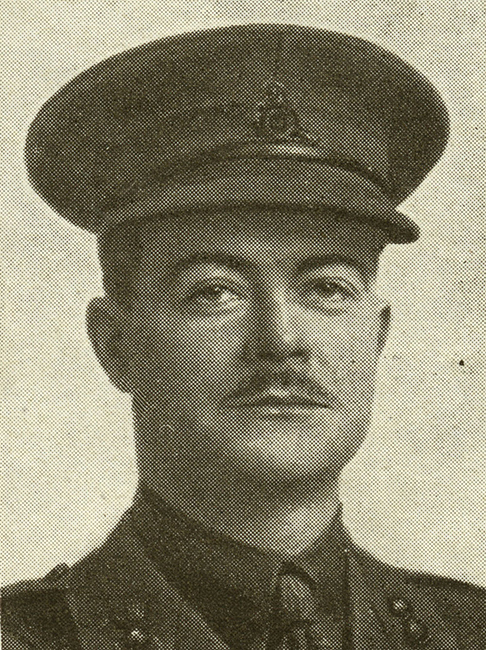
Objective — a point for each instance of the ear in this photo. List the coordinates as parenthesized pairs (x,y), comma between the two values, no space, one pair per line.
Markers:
(385,319)
(105,320)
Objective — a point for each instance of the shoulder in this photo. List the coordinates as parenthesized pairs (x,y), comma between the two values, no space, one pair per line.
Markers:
(456,606)
(455,599)
(35,613)
(461,604)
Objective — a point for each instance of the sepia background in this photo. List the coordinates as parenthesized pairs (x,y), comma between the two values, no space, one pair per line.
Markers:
(416,494)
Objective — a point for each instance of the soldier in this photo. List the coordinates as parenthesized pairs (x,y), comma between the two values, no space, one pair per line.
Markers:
(242,183)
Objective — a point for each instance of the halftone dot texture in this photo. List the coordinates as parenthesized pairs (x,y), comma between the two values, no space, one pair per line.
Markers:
(244,115)
(363,175)
(118,599)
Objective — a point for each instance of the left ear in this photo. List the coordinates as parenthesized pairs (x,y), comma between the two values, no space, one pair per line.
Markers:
(385,319)
(105,321)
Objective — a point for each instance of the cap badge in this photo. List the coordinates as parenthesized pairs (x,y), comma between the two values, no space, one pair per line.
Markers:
(276,120)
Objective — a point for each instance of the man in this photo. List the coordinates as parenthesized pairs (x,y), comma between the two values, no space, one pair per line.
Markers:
(242,183)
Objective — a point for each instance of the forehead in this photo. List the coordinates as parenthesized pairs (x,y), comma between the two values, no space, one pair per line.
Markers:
(260,236)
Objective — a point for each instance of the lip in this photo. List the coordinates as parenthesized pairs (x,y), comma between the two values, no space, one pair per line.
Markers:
(278,400)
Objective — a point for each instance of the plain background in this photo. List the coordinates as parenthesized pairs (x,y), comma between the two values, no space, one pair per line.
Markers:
(416,494)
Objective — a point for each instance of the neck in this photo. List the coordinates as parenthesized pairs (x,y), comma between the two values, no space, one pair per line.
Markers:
(285,518)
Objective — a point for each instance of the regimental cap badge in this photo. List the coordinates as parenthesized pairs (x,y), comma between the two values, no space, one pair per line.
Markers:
(276,119)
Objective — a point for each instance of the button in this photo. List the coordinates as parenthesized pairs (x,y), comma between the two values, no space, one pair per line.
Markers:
(399,607)
(417,632)
(137,637)
(133,626)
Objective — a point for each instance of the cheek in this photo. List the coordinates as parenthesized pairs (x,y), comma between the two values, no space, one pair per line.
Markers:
(168,348)
(347,347)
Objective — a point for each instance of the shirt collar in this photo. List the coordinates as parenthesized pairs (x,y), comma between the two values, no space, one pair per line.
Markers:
(230,582)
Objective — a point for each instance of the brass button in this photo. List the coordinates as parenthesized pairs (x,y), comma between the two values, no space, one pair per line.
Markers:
(417,632)
(137,638)
(132,625)
(138,635)
(399,607)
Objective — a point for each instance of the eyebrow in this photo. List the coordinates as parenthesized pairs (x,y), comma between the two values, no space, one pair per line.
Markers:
(235,262)
(222,259)
(319,261)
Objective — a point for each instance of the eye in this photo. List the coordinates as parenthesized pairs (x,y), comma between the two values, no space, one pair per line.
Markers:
(330,293)
(214,295)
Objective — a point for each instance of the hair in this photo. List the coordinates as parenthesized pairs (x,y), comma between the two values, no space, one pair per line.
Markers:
(119,252)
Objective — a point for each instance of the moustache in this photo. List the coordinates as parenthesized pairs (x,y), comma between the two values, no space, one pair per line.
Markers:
(295,384)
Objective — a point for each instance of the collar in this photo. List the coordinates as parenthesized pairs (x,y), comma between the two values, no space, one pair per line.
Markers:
(117,595)
(232,583)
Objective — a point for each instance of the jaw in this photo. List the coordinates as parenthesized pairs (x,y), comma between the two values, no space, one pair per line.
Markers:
(251,451)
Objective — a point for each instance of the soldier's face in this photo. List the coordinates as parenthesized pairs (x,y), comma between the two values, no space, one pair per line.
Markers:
(253,340)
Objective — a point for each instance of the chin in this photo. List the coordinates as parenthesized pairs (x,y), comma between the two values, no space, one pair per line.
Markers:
(283,449)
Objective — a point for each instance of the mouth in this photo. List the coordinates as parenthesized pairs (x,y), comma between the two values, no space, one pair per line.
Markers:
(279,400)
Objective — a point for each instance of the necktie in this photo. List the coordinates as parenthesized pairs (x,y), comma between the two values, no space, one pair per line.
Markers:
(295,612)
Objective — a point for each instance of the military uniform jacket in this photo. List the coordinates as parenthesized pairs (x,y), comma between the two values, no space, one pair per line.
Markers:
(115,598)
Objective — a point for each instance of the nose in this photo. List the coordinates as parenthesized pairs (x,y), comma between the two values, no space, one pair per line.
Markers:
(276,332)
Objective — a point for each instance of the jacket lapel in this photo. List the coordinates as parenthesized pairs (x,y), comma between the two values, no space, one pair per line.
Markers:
(387,608)
(368,630)
(195,634)
(117,595)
